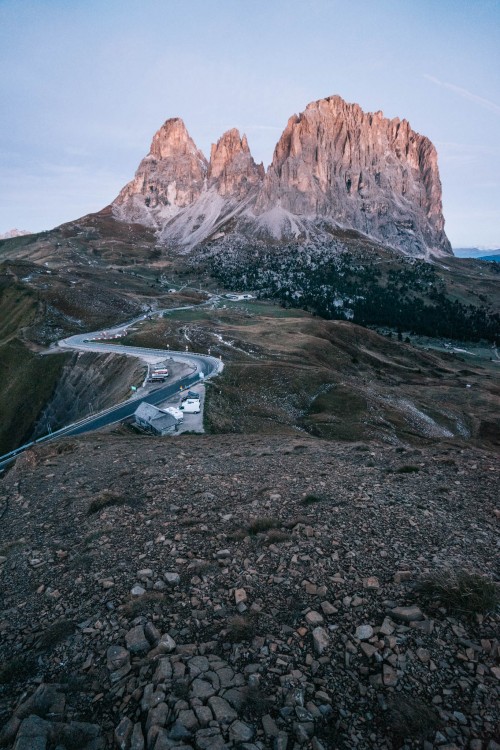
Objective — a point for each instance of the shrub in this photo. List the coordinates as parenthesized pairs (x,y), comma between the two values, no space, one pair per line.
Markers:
(56,633)
(275,536)
(261,525)
(242,628)
(17,668)
(141,604)
(255,702)
(310,500)
(407,469)
(408,717)
(460,592)
(103,500)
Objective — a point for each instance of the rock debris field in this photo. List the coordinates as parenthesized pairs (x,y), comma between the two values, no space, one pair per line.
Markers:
(248,592)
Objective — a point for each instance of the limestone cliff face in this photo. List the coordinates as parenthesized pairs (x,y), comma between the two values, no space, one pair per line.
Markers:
(232,169)
(334,163)
(361,170)
(169,178)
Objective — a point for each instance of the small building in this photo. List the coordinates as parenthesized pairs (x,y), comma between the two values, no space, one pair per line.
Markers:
(154,420)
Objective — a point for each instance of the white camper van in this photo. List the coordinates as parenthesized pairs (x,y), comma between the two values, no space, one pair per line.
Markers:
(191,406)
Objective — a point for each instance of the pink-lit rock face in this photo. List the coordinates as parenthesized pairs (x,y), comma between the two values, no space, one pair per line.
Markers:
(170,177)
(361,170)
(333,163)
(232,169)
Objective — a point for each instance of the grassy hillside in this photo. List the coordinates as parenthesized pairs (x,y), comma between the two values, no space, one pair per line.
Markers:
(333,379)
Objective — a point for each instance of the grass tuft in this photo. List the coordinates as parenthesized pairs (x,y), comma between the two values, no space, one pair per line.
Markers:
(276,536)
(310,500)
(255,702)
(407,469)
(142,604)
(105,499)
(460,592)
(242,628)
(408,717)
(56,633)
(17,668)
(261,525)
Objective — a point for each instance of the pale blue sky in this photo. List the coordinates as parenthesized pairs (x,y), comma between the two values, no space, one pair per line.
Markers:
(84,84)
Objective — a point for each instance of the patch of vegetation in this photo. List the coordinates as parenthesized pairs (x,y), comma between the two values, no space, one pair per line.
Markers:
(311,499)
(261,525)
(255,702)
(201,567)
(105,499)
(407,469)
(408,717)
(460,592)
(17,668)
(339,284)
(56,633)
(276,536)
(140,605)
(242,628)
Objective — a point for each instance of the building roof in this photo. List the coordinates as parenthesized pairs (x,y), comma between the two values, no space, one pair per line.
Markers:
(157,418)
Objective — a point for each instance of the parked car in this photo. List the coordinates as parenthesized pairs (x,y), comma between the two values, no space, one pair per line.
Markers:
(192,395)
(191,406)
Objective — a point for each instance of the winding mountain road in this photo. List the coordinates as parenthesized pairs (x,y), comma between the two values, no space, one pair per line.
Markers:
(203,367)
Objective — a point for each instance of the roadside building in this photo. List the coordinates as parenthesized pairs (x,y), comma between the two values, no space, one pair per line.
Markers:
(154,420)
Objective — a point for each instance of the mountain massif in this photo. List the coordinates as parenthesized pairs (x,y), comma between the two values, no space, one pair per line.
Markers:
(334,166)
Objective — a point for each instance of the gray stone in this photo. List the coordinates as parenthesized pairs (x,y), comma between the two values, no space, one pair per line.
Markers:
(269,726)
(166,644)
(137,739)
(321,640)
(157,716)
(152,633)
(118,662)
(178,731)
(364,632)
(281,741)
(314,618)
(240,732)
(188,719)
(202,689)
(123,733)
(137,590)
(204,715)
(407,614)
(209,739)
(136,640)
(173,579)
(163,670)
(222,710)
(33,734)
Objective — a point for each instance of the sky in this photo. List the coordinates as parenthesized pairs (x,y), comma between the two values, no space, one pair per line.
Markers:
(84,84)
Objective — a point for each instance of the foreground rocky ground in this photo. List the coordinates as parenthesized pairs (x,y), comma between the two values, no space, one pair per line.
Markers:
(246,592)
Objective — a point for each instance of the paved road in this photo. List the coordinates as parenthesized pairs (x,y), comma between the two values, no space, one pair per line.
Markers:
(203,366)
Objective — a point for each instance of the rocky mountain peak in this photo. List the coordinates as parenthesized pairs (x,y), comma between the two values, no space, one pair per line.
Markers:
(169,178)
(232,168)
(173,140)
(334,163)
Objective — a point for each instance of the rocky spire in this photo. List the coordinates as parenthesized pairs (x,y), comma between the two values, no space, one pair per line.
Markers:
(170,177)
(232,169)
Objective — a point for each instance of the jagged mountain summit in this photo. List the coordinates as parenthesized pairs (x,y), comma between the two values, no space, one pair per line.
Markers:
(334,166)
